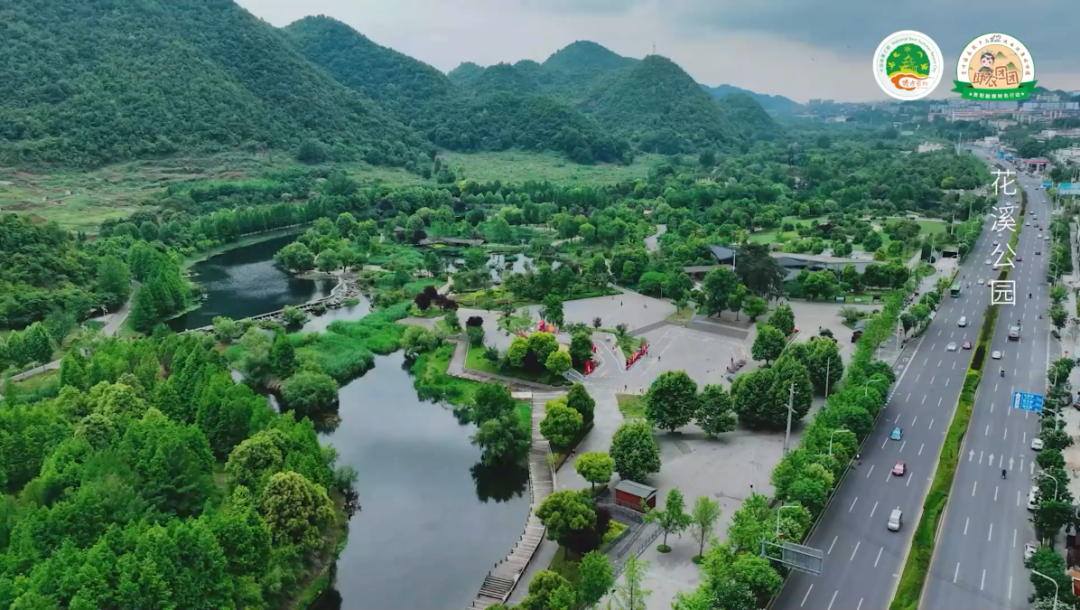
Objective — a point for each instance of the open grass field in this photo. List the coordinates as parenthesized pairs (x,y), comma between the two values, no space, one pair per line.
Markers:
(517,166)
(927,226)
(82,200)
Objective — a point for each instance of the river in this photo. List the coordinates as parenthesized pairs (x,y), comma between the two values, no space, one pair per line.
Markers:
(432,520)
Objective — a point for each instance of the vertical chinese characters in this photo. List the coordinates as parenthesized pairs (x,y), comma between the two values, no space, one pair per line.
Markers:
(1003,292)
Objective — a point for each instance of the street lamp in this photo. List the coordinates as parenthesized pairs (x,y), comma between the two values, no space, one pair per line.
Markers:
(874,379)
(828,364)
(1038,573)
(1043,473)
(830,438)
(778,516)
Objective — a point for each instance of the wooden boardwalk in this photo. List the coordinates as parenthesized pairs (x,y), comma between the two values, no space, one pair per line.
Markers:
(501,580)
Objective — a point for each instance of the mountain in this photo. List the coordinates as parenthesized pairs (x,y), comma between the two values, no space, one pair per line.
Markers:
(578,65)
(661,108)
(93,82)
(401,84)
(772,103)
(497,108)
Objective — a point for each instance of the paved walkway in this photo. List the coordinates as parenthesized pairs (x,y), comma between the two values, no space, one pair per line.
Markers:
(652,242)
(503,579)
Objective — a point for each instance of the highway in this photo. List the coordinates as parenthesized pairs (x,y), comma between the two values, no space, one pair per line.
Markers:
(978,560)
(863,559)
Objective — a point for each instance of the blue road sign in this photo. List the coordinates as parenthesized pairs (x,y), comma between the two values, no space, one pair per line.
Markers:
(1026,401)
(1047,185)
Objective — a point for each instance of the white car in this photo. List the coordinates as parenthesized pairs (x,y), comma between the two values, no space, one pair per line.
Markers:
(951,347)
(996,354)
(1027,224)
(1029,550)
(981,281)
(988,261)
(1036,444)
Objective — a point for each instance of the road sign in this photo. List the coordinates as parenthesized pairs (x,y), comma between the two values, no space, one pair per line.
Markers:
(1026,401)
(1047,184)
(1069,188)
(796,556)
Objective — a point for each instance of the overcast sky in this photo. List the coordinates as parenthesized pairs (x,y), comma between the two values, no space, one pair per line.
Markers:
(797,48)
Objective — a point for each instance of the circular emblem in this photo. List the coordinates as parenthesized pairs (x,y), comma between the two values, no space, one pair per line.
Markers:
(908,65)
(995,66)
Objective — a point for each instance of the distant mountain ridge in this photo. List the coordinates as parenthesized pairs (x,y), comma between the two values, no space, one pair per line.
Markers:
(772,103)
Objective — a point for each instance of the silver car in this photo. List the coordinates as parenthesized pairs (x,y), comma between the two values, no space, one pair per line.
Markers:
(951,347)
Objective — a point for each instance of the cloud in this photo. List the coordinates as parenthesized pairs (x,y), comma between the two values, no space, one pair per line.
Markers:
(796,48)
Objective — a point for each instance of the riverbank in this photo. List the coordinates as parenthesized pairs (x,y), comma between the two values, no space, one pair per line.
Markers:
(244,241)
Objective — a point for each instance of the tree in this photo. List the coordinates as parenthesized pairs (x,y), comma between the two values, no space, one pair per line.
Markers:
(330,260)
(872,241)
(113,281)
(1058,316)
(595,467)
(635,451)
(256,354)
(717,287)
(784,319)
(819,284)
(548,590)
(1058,293)
(475,335)
(38,345)
(306,391)
(73,370)
(703,518)
(580,348)
(823,363)
(558,362)
(759,271)
(671,401)
(629,594)
(541,345)
(296,510)
(753,400)
(769,344)
(715,415)
(672,519)
(553,309)
(565,512)
(1050,563)
(492,401)
(595,578)
(422,301)
(597,322)
(282,357)
(295,257)
(561,424)
(226,329)
(754,307)
(579,400)
(293,317)
(451,320)
(502,440)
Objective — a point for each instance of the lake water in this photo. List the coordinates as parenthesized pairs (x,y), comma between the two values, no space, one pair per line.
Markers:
(432,521)
(245,282)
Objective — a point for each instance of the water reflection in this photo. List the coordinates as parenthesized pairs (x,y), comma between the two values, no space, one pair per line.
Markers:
(499,483)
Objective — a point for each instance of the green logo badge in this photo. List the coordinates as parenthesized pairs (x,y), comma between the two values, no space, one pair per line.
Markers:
(908,65)
(995,66)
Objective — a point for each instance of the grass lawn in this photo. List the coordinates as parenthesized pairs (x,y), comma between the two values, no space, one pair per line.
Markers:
(682,316)
(476,361)
(632,406)
(517,166)
(417,286)
(629,345)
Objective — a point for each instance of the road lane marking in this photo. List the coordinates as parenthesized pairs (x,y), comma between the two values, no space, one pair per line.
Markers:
(966,521)
(914,420)
(1018,498)
(939,363)
(878,556)
(991,407)
(859,607)
(857,543)
(932,379)
(908,484)
(916,376)
(833,598)
(921,448)
(973,488)
(1006,434)
(885,443)
(990,534)
(873,510)
(931,426)
(995,493)
(853,504)
(1021,464)
(871,470)
(955,573)
(902,446)
(939,402)
(1010,588)
(982,583)
(890,475)
(808,595)
(923,400)
(1014,537)
(987,433)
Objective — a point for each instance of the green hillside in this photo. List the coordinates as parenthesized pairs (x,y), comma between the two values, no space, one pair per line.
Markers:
(772,103)
(465,73)
(93,82)
(661,108)
(501,108)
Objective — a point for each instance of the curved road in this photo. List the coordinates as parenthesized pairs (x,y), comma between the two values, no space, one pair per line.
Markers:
(863,559)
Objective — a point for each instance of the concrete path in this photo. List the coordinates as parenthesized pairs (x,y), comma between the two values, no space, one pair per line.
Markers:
(652,242)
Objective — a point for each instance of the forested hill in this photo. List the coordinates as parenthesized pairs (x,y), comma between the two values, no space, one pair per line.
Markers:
(502,107)
(88,82)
